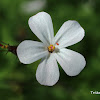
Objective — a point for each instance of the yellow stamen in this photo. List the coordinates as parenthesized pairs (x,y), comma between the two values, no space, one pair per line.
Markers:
(51,48)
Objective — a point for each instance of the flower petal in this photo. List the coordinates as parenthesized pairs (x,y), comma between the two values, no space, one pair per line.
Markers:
(70,33)
(41,25)
(29,51)
(47,71)
(71,62)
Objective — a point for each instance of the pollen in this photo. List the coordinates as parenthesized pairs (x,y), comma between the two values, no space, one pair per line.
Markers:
(51,48)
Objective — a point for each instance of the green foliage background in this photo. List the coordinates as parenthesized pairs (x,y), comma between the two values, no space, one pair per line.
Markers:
(18,82)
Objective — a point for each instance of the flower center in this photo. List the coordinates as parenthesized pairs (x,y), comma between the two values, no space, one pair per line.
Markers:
(51,48)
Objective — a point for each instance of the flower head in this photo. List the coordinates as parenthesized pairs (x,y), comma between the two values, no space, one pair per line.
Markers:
(52,49)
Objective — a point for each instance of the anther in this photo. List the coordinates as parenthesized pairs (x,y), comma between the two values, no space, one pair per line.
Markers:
(51,48)
(57,43)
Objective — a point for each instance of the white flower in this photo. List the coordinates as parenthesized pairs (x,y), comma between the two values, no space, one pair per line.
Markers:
(52,49)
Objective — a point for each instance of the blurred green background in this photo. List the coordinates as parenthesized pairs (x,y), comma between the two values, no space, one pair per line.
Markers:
(17,81)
